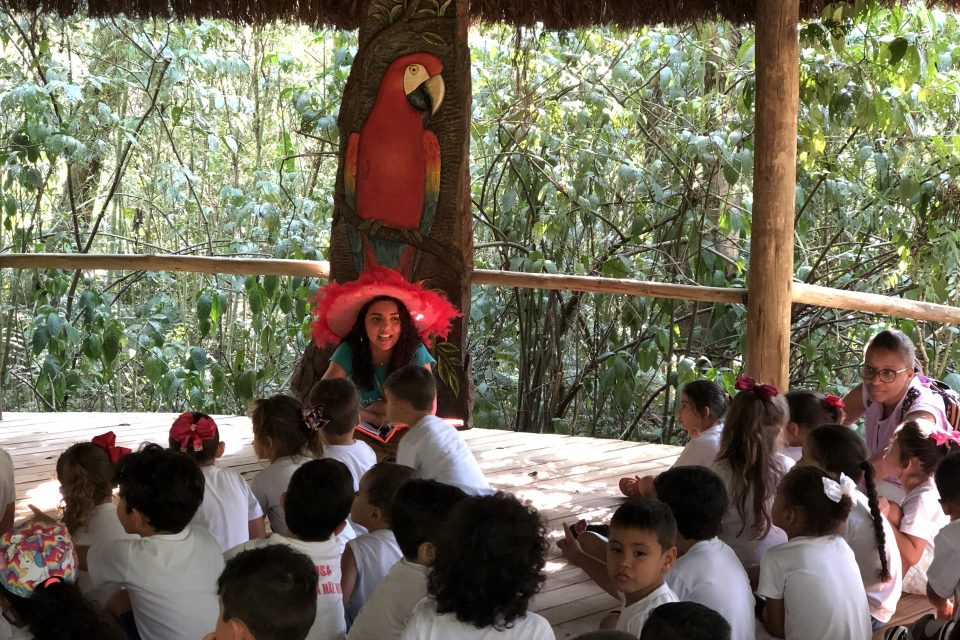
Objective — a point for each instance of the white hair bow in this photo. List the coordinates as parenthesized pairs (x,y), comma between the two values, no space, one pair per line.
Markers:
(836,489)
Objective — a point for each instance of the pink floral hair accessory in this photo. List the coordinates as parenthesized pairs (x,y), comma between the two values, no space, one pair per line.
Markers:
(764,391)
(834,401)
(315,418)
(946,437)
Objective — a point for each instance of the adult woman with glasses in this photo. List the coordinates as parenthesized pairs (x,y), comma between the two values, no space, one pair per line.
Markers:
(891,380)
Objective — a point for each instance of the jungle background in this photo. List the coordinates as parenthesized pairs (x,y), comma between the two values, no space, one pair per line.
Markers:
(602,152)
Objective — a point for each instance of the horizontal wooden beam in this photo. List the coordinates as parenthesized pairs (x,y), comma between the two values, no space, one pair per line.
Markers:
(802,293)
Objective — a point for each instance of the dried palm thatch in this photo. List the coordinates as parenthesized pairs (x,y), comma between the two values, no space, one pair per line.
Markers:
(346,14)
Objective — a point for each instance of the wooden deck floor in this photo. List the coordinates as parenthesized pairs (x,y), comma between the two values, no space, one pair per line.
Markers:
(566,478)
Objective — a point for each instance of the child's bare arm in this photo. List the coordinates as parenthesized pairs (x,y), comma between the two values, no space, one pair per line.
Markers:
(774,616)
(944,606)
(82,551)
(911,548)
(348,574)
(257,528)
(592,566)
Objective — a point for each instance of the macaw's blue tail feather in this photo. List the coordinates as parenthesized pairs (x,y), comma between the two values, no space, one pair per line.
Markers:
(356,248)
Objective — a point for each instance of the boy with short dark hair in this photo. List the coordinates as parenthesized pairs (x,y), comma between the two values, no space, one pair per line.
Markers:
(707,570)
(685,621)
(420,509)
(268,593)
(169,572)
(431,446)
(317,503)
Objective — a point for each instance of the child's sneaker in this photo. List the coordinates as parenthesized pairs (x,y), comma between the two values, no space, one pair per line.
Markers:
(929,628)
(896,633)
(630,487)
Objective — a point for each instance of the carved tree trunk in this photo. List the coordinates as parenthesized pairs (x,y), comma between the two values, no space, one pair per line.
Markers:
(391,29)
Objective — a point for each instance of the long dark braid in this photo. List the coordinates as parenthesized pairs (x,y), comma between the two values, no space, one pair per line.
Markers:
(869,483)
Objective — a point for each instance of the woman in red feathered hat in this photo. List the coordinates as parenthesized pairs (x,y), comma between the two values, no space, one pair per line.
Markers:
(380,323)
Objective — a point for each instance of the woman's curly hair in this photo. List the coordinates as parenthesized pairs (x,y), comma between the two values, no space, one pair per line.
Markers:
(87,478)
(490,557)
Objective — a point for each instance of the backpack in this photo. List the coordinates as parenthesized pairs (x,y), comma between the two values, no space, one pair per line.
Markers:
(951,401)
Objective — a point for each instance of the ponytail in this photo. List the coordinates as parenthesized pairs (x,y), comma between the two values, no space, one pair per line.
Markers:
(870,485)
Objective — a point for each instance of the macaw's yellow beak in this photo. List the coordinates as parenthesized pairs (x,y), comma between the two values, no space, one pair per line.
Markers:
(428,95)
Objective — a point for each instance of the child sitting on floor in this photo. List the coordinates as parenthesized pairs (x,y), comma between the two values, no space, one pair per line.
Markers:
(87,475)
(837,450)
(912,458)
(420,510)
(751,464)
(489,564)
(333,407)
(266,594)
(170,572)
(812,584)
(229,511)
(280,436)
(38,566)
(808,410)
(317,503)
(432,447)
(369,556)
(686,621)
(702,405)
(707,570)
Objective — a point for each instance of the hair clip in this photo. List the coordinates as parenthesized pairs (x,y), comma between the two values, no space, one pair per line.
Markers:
(764,391)
(191,429)
(836,489)
(834,401)
(945,437)
(108,442)
(315,419)
(51,580)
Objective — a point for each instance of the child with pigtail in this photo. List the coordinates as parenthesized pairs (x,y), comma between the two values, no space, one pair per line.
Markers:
(837,449)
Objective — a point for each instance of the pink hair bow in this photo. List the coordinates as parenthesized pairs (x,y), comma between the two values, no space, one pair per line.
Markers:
(108,442)
(834,401)
(746,383)
(191,429)
(946,437)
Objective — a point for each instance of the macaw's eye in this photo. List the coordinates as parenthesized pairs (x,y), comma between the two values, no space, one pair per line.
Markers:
(414,69)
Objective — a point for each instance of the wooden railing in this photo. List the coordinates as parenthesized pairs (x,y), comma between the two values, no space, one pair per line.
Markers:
(802,293)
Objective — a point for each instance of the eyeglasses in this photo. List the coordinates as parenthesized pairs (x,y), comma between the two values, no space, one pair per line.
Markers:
(885,375)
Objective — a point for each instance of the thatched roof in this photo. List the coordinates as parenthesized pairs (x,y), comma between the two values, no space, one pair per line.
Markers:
(345,14)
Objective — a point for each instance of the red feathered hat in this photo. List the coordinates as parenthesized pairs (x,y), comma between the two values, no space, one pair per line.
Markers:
(336,305)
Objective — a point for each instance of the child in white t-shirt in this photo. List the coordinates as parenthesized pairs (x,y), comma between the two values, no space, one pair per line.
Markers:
(808,410)
(281,436)
(8,492)
(469,601)
(369,556)
(912,458)
(707,571)
(317,503)
(87,475)
(170,572)
(702,404)
(333,407)
(431,446)
(812,584)
(268,592)
(837,449)
(229,511)
(686,621)
(420,510)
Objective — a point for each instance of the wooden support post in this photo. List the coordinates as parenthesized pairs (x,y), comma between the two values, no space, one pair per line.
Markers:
(770,276)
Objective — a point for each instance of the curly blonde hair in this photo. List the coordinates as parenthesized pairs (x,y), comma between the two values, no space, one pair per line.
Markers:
(87,478)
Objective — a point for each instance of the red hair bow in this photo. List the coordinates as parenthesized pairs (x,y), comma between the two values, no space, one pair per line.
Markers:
(946,437)
(834,401)
(191,429)
(765,391)
(108,442)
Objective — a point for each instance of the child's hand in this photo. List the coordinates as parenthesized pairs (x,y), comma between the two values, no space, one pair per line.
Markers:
(945,612)
(570,547)
(42,517)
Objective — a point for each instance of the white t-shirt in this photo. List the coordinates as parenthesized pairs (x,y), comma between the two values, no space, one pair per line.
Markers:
(438,452)
(633,617)
(922,518)
(710,573)
(329,623)
(171,580)
(794,453)
(859,534)
(749,549)
(943,575)
(427,624)
(819,582)
(388,609)
(271,483)
(879,431)
(702,450)
(103,526)
(8,485)
(228,506)
(375,553)
(358,457)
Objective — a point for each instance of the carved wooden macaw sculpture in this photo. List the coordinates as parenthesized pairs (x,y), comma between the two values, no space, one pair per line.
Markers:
(392,165)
